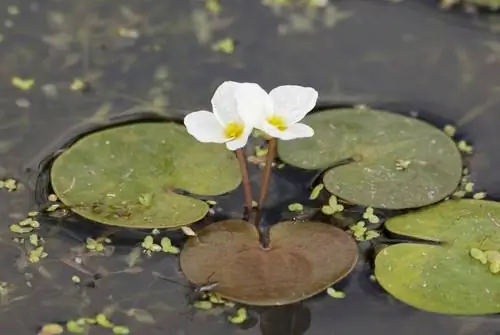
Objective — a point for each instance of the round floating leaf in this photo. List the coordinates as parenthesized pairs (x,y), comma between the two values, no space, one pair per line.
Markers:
(401,162)
(444,278)
(123,176)
(304,259)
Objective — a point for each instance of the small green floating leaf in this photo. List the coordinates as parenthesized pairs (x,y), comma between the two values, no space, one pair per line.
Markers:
(203,304)
(240,316)
(316,191)
(335,294)
(120,330)
(452,278)
(450,130)
(102,320)
(380,139)
(110,176)
(479,195)
(22,84)
(225,45)
(75,327)
(295,207)
(166,246)
(51,329)
(18,229)
(478,255)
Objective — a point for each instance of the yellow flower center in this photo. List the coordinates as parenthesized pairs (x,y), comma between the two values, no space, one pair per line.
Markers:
(278,122)
(233,130)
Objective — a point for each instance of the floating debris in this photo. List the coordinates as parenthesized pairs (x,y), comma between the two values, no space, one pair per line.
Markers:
(332,207)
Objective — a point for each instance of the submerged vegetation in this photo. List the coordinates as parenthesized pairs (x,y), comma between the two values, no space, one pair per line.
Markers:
(374,199)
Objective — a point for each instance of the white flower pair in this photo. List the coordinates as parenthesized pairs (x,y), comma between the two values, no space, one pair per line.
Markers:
(238,108)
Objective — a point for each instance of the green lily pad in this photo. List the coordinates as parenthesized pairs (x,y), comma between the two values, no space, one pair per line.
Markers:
(304,259)
(400,162)
(444,278)
(123,176)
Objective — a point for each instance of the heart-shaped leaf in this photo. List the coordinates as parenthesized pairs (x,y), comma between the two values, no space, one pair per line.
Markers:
(123,176)
(304,259)
(444,278)
(400,162)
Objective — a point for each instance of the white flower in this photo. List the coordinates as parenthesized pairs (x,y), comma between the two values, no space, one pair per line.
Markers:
(280,111)
(229,123)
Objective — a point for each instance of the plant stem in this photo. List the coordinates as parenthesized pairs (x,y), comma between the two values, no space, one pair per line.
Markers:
(246,183)
(266,176)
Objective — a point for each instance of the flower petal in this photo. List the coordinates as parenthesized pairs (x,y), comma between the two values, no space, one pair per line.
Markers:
(293,102)
(270,130)
(297,130)
(254,104)
(205,127)
(241,141)
(224,103)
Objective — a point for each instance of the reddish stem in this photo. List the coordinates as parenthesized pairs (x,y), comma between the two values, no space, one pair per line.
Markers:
(246,183)
(266,176)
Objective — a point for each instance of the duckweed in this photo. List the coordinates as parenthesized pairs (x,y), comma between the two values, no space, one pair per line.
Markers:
(479,195)
(166,246)
(203,304)
(9,184)
(22,84)
(450,130)
(370,216)
(226,45)
(316,191)
(240,316)
(36,254)
(332,207)
(465,147)
(490,257)
(335,294)
(295,207)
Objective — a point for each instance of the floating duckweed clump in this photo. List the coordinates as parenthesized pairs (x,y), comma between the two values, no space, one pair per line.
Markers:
(239,317)
(370,216)
(491,258)
(332,207)
(149,246)
(9,184)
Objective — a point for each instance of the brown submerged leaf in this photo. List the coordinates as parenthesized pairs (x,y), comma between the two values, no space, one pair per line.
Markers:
(304,259)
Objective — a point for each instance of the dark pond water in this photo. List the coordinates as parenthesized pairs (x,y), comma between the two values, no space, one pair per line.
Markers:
(147,55)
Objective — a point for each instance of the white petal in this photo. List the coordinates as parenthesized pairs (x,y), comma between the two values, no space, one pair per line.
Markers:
(224,103)
(270,130)
(298,130)
(254,104)
(241,141)
(293,102)
(205,127)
